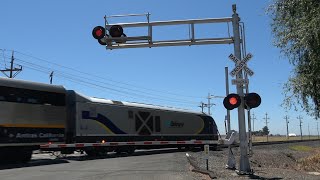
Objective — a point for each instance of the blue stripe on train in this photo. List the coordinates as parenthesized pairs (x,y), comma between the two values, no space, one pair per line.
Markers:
(104,120)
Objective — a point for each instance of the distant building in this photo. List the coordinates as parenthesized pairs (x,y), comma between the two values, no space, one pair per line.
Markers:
(292,135)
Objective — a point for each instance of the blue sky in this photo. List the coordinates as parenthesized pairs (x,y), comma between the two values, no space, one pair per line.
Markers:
(56,36)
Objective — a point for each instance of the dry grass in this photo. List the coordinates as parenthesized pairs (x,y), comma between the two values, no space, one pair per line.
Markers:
(280,138)
(311,163)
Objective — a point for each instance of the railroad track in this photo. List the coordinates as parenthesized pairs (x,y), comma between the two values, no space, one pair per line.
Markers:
(270,143)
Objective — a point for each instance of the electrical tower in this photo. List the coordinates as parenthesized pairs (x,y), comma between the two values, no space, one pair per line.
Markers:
(13,71)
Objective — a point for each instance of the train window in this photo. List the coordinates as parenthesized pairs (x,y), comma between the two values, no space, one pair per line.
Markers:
(130,114)
(157,124)
(31,96)
(32,101)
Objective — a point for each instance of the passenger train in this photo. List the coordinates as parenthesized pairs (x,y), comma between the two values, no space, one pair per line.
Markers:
(33,114)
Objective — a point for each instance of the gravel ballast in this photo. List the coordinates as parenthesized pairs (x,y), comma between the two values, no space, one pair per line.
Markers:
(278,161)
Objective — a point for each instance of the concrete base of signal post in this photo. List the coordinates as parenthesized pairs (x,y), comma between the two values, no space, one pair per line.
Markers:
(231,160)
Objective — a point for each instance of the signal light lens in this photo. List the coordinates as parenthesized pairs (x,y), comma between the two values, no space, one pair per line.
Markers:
(252,100)
(98,32)
(232,101)
(116,31)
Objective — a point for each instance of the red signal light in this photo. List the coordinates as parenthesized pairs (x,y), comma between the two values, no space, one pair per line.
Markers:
(232,101)
(98,32)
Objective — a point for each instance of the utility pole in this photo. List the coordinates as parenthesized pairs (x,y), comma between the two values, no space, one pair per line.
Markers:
(202,105)
(318,129)
(266,118)
(253,118)
(209,105)
(287,124)
(51,76)
(300,120)
(12,69)
(309,131)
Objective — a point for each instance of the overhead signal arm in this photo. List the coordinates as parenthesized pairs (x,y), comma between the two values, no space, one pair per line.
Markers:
(115,38)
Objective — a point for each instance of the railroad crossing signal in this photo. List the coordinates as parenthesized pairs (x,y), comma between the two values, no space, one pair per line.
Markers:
(232,101)
(148,40)
(115,32)
(251,100)
(241,64)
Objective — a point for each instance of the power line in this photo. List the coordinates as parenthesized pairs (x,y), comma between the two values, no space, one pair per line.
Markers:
(4,59)
(71,75)
(118,82)
(114,91)
(121,87)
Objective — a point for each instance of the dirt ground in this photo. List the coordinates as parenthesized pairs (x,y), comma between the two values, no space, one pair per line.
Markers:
(282,161)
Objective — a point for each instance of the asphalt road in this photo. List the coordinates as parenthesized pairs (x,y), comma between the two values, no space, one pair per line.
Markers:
(169,164)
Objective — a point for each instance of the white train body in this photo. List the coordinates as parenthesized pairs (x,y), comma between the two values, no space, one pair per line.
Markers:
(33,114)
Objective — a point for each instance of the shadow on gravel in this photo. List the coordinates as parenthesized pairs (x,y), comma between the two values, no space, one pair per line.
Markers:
(115,155)
(61,160)
(33,163)
(260,177)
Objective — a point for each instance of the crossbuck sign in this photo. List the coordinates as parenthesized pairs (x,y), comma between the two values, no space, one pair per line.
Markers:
(241,64)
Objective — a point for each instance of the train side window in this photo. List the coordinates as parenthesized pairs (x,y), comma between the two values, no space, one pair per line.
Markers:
(32,101)
(157,124)
(20,95)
